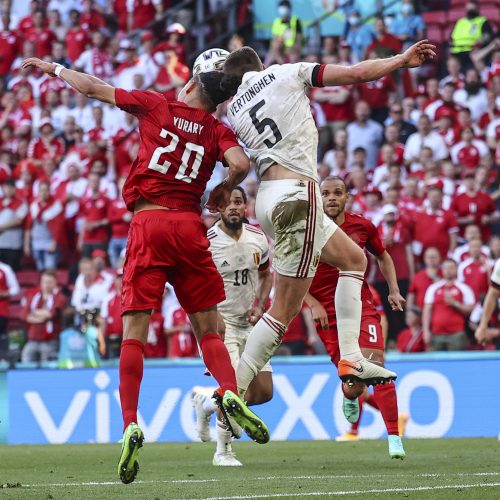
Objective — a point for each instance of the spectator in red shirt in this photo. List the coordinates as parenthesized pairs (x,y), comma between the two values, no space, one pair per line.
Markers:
(447,305)
(143,12)
(475,271)
(14,115)
(119,219)
(172,76)
(125,145)
(47,146)
(156,346)
(42,309)
(109,322)
(475,207)
(181,341)
(411,339)
(9,45)
(91,19)
(175,33)
(296,339)
(40,35)
(471,232)
(424,278)
(385,44)
(76,38)
(469,151)
(95,224)
(433,226)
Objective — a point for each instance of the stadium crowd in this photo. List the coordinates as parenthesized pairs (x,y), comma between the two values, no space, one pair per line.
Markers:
(418,150)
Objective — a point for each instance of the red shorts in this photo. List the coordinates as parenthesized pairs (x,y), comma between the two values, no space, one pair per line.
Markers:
(370,337)
(168,245)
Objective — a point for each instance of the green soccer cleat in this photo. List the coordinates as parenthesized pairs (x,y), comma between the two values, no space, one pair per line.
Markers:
(350,407)
(396,449)
(128,466)
(254,427)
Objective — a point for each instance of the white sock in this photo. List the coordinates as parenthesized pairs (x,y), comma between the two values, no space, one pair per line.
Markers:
(224,438)
(348,310)
(261,344)
(209,404)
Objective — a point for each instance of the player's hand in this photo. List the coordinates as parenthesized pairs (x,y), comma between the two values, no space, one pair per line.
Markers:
(427,336)
(418,53)
(221,326)
(219,198)
(254,314)
(319,316)
(396,301)
(481,335)
(46,67)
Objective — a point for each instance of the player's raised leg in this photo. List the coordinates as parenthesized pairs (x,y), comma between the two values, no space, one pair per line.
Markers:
(341,252)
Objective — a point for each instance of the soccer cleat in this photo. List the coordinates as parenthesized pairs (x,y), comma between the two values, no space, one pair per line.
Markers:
(229,422)
(254,427)
(402,421)
(396,449)
(226,459)
(202,415)
(347,436)
(350,407)
(128,466)
(364,371)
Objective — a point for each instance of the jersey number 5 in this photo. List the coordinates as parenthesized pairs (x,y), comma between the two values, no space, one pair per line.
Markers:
(189,148)
(261,125)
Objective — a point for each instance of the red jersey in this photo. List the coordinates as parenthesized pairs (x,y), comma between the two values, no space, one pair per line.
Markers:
(156,346)
(116,211)
(478,205)
(42,150)
(124,143)
(411,341)
(49,83)
(42,39)
(120,11)
(388,44)
(476,274)
(9,48)
(178,48)
(337,111)
(324,283)
(76,40)
(93,209)
(163,78)
(376,93)
(92,21)
(182,344)
(143,12)
(420,283)
(396,239)
(54,303)
(111,312)
(445,319)
(432,229)
(297,330)
(179,148)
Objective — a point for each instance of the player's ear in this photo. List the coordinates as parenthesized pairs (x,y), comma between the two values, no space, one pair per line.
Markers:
(191,86)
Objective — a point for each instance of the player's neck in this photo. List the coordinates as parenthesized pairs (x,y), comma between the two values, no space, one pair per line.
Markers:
(340,219)
(235,234)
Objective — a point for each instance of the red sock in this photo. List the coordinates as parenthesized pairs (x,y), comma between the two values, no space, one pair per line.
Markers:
(218,362)
(355,426)
(131,369)
(370,399)
(387,401)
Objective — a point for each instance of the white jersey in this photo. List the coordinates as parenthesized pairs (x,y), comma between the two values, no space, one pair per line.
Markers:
(272,115)
(238,262)
(495,275)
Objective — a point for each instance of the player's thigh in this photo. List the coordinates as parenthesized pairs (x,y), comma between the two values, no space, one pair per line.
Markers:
(371,339)
(340,251)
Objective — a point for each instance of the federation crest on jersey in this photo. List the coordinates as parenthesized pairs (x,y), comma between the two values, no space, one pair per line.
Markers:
(210,60)
(256,258)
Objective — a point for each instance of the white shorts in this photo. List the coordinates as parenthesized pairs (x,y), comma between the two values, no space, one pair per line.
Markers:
(291,212)
(235,339)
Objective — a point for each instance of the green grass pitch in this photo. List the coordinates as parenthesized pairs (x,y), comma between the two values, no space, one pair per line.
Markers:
(434,469)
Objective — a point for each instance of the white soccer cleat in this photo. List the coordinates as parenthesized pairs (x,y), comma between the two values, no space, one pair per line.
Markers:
(226,459)
(363,370)
(203,416)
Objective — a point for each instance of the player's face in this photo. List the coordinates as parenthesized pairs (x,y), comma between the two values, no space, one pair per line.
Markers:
(235,211)
(334,196)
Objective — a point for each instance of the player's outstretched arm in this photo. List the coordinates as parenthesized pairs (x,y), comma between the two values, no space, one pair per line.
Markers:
(489,304)
(377,68)
(85,84)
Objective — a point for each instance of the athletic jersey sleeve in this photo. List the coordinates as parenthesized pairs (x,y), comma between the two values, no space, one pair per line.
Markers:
(495,275)
(138,102)
(311,73)
(225,139)
(374,244)
(264,260)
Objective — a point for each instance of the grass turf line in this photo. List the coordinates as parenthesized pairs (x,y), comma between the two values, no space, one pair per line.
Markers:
(312,469)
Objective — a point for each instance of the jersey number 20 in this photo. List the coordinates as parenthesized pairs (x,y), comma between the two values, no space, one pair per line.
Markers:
(189,148)
(261,125)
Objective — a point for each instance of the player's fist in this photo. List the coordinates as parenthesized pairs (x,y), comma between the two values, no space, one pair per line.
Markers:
(396,301)
(254,314)
(319,315)
(46,67)
(418,53)
(219,198)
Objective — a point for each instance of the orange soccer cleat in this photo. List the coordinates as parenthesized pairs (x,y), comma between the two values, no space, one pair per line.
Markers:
(363,370)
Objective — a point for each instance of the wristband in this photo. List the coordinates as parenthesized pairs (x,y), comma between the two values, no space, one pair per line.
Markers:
(59,68)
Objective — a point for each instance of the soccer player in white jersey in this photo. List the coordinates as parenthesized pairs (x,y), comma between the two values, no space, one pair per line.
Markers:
(270,113)
(241,255)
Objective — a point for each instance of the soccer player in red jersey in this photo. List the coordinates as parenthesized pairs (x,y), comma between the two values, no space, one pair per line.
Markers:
(180,144)
(320,298)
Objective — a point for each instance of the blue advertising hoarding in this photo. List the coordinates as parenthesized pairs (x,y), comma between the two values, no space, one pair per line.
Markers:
(442,398)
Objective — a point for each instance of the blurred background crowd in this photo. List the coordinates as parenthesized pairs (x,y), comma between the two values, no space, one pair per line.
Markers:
(419,151)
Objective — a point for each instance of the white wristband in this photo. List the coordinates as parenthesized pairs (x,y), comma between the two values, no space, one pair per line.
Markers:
(59,68)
